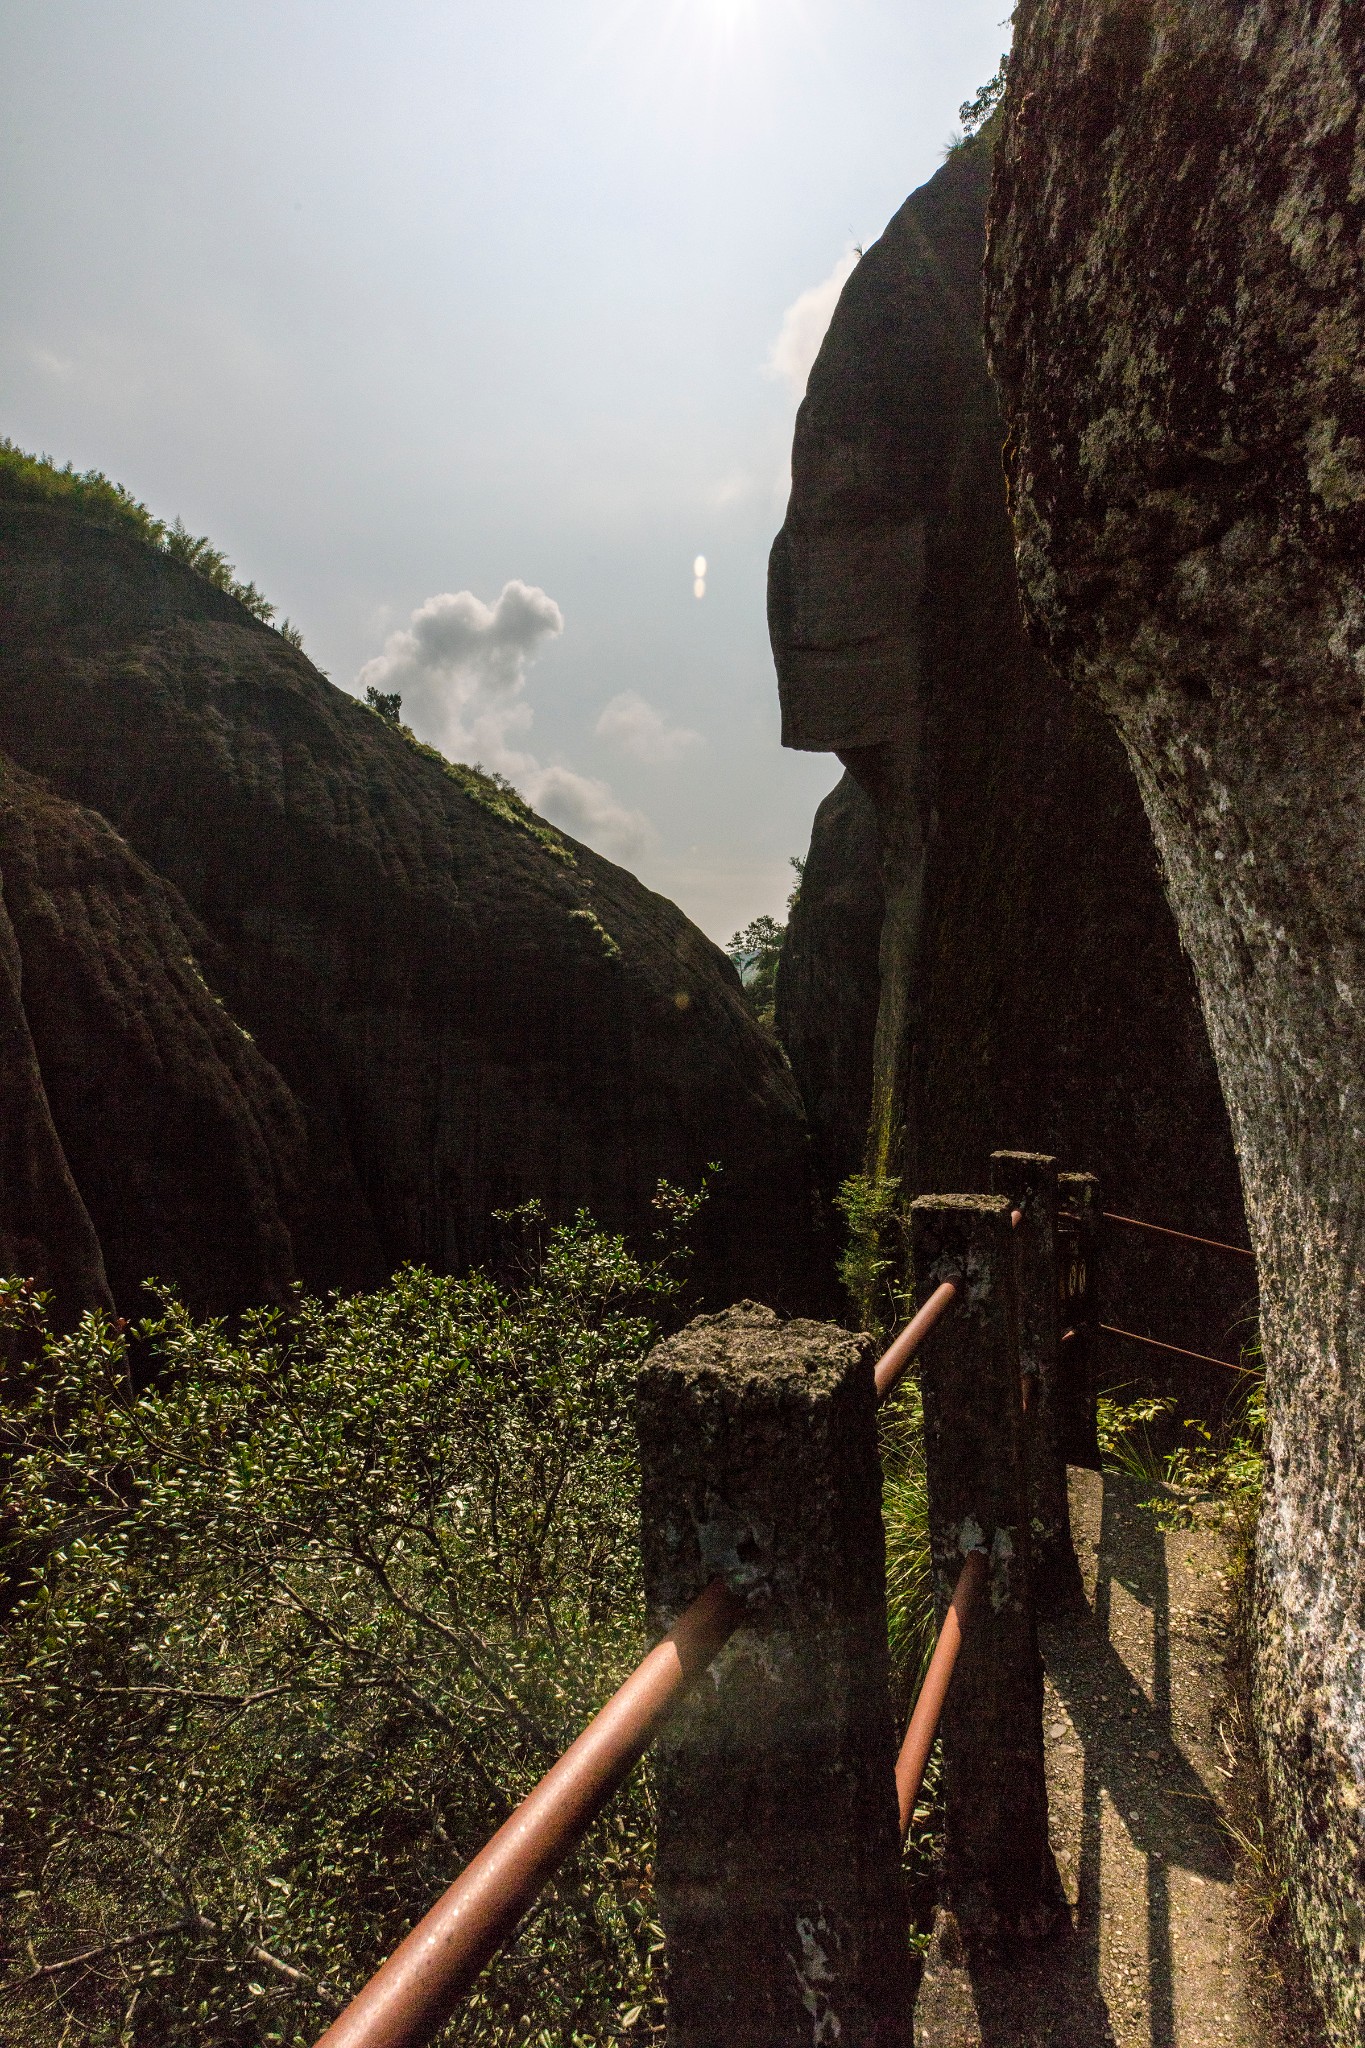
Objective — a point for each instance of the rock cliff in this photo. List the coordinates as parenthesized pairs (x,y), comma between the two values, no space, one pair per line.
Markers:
(827,980)
(1177,286)
(290,997)
(1032,988)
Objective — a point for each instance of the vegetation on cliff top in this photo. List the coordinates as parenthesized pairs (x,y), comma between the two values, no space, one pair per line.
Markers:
(36,479)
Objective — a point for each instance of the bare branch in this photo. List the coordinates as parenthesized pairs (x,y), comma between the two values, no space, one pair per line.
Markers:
(324,1992)
(199,1923)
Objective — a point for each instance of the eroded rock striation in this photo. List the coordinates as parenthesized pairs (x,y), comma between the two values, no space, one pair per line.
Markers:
(989,836)
(291,997)
(1178,324)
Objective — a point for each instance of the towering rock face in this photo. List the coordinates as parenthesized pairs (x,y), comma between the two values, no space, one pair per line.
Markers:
(290,997)
(827,980)
(1178,323)
(1032,991)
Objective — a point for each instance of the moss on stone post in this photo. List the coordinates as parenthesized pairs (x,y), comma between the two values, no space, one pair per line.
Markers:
(1028,1180)
(999,1868)
(777,1872)
(1078,1247)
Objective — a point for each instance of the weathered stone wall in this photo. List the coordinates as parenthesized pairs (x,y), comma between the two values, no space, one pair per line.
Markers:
(306,1004)
(1032,990)
(1178,325)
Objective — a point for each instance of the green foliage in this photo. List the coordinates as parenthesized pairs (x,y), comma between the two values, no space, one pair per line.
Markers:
(496,794)
(756,951)
(595,925)
(37,479)
(1124,1433)
(905,1513)
(910,1625)
(873,1259)
(493,791)
(385,703)
(298,1614)
(975,112)
(1222,1463)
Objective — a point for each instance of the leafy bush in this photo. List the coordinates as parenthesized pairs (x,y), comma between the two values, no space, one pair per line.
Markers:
(297,1615)
(387,704)
(873,1259)
(37,479)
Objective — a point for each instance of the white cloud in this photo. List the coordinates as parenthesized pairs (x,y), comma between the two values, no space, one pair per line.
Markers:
(587,808)
(638,729)
(459,666)
(803,327)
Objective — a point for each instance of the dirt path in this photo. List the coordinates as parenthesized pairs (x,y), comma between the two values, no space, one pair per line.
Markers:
(1137,1776)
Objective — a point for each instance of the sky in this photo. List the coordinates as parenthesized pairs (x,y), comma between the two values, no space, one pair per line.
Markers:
(473,333)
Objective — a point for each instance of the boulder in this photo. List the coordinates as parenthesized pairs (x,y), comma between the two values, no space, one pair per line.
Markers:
(1177,308)
(307,1000)
(1032,990)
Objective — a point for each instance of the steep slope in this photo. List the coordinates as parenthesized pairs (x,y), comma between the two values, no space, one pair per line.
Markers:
(1032,987)
(1178,323)
(449,1008)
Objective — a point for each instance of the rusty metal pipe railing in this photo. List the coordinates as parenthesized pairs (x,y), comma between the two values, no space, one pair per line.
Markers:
(919,1736)
(898,1355)
(1164,1230)
(417,1989)
(1200,1357)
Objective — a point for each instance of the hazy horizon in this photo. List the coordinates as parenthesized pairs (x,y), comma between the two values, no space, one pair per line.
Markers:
(465,332)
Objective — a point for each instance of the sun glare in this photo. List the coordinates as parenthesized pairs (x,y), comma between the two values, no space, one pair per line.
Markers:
(703,62)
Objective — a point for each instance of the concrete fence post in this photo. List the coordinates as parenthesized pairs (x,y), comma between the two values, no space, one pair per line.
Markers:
(1078,1235)
(777,1870)
(1028,1180)
(998,1865)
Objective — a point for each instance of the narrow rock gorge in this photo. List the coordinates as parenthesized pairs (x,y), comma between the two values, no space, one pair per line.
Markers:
(1177,313)
(287,997)
(988,837)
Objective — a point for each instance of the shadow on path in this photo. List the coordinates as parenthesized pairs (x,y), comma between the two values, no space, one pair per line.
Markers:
(1130,1811)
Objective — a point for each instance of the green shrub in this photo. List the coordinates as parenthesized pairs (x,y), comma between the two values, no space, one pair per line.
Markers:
(905,1516)
(298,1614)
(873,1259)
